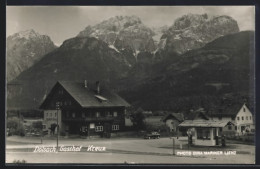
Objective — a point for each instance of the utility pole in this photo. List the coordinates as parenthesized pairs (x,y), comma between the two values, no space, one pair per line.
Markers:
(57,108)
(173,146)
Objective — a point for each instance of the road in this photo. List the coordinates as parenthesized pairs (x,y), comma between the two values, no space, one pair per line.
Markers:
(133,151)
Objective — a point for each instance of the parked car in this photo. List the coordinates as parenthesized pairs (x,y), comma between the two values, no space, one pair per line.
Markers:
(153,135)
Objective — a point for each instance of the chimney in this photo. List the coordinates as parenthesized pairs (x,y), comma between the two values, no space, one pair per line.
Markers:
(85,83)
(98,87)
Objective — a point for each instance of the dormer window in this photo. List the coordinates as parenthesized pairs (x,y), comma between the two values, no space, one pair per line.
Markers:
(244,109)
(101,98)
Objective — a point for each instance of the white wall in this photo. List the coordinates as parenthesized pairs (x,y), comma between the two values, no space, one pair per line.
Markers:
(244,118)
(211,142)
(50,119)
(172,124)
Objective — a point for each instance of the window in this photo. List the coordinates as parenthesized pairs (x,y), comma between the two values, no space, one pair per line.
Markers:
(44,126)
(83,114)
(47,114)
(250,117)
(115,127)
(242,117)
(92,125)
(115,114)
(237,118)
(99,128)
(235,127)
(244,109)
(55,115)
(108,114)
(73,115)
(97,114)
(203,133)
(246,117)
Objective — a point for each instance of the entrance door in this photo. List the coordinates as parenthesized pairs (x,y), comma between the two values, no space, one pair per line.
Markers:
(74,128)
(107,130)
(242,128)
(84,130)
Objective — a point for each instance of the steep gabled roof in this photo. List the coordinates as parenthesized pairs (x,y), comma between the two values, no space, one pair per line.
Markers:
(196,115)
(177,116)
(227,110)
(87,97)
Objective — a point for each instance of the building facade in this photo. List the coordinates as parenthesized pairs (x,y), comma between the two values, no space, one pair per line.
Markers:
(204,130)
(172,120)
(84,109)
(240,116)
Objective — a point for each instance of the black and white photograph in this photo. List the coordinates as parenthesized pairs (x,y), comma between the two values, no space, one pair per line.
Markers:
(130,85)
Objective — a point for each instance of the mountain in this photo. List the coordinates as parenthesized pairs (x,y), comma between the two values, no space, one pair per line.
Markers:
(127,34)
(121,53)
(203,77)
(76,59)
(193,31)
(24,49)
(158,32)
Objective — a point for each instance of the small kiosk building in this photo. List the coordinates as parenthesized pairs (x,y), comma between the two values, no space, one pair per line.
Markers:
(205,131)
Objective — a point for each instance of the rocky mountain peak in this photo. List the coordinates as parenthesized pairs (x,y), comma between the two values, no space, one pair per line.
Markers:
(27,34)
(123,33)
(189,20)
(193,31)
(24,49)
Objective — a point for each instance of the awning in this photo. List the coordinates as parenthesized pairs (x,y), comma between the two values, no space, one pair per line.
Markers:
(205,123)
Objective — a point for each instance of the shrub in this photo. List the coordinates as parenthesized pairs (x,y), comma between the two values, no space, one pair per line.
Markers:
(19,162)
(63,133)
(16,126)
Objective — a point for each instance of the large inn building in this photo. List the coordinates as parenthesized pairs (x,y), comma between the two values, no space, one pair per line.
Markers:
(93,110)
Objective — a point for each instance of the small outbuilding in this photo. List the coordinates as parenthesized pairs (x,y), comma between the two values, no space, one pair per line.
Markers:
(172,120)
(205,132)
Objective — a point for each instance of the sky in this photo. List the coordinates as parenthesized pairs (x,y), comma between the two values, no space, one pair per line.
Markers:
(64,22)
